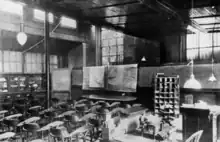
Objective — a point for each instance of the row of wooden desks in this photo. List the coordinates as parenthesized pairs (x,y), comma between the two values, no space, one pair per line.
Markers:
(110,98)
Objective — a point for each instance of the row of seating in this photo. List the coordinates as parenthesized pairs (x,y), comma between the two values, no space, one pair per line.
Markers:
(80,118)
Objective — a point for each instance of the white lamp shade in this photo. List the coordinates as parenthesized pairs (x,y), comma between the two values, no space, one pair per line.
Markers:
(21,38)
(212,78)
(192,83)
(143,59)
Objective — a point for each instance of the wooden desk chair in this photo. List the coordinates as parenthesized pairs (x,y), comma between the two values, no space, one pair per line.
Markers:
(73,122)
(5,137)
(59,135)
(30,128)
(11,123)
(136,105)
(195,137)
(38,140)
(81,133)
(50,115)
(7,103)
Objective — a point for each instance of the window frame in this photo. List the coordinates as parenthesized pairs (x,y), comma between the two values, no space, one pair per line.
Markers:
(42,19)
(65,25)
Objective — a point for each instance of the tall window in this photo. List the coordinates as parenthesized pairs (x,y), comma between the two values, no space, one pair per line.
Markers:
(11,7)
(40,15)
(68,22)
(199,46)
(112,47)
(12,62)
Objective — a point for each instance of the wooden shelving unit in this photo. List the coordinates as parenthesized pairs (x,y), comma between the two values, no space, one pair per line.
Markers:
(167,95)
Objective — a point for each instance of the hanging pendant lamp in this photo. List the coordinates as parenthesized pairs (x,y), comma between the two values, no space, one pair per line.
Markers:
(22,36)
(143,59)
(212,78)
(192,82)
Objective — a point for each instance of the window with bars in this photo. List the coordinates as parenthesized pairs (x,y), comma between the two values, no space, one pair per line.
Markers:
(112,45)
(12,62)
(199,46)
(33,63)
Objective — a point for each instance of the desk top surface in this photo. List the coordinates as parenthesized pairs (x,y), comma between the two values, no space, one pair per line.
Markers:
(110,98)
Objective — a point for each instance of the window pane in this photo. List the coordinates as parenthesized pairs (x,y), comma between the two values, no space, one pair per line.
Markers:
(112,42)
(205,53)
(217,53)
(39,60)
(11,7)
(105,42)
(217,39)
(34,58)
(113,59)
(121,58)
(105,51)
(28,68)
(6,67)
(68,22)
(104,60)
(19,57)
(205,40)
(192,54)
(113,50)
(120,41)
(12,56)
(6,56)
(40,15)
(0,55)
(121,49)
(1,69)
(104,35)
(192,41)
(13,67)
(19,67)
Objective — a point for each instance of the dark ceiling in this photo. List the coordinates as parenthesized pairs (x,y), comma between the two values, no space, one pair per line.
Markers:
(10,43)
(150,19)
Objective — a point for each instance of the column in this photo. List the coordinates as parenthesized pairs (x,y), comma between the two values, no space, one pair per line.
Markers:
(98,46)
(47,55)
(85,45)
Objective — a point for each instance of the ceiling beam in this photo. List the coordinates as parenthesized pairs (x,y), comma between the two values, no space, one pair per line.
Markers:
(208,16)
(78,15)
(127,15)
(215,31)
(209,24)
(113,5)
(216,28)
(38,31)
(187,4)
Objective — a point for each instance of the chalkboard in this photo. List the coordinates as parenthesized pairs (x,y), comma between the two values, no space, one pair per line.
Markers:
(77,77)
(61,79)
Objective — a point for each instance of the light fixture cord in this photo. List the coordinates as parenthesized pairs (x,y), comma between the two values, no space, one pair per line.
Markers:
(192,65)
(22,23)
(213,46)
(39,42)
